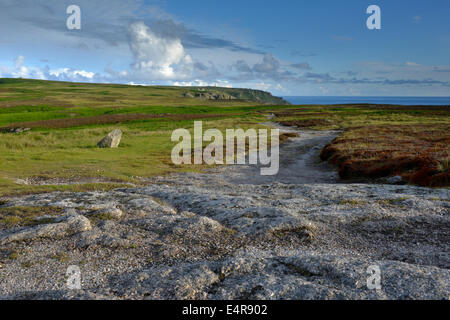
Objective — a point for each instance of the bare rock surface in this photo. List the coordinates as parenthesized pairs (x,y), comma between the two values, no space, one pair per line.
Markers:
(232,234)
(70,224)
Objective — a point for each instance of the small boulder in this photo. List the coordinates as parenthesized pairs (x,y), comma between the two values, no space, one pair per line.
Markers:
(395,180)
(114,213)
(188,95)
(19,130)
(78,223)
(112,140)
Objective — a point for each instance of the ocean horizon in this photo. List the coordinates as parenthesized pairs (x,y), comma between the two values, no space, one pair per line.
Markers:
(435,101)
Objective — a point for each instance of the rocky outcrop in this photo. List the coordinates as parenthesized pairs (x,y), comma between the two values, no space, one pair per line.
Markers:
(214,96)
(188,95)
(217,93)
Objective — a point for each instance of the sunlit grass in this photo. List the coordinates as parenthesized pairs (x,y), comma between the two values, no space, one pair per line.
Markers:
(51,151)
(145,151)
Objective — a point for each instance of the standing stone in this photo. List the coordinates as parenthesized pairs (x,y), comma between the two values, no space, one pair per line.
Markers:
(112,140)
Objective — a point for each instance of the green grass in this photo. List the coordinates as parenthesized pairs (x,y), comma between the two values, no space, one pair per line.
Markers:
(50,151)
(349,116)
(61,257)
(26,216)
(68,119)
(352,202)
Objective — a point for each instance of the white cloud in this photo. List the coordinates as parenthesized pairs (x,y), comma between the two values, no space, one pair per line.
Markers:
(131,83)
(19,61)
(263,86)
(21,70)
(68,73)
(269,65)
(201,83)
(156,57)
(279,87)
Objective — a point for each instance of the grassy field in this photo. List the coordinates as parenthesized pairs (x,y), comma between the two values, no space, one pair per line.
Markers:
(68,119)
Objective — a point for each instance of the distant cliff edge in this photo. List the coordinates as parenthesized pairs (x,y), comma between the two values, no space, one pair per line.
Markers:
(218,93)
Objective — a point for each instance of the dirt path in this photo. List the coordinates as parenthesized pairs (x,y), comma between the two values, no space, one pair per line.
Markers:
(299,161)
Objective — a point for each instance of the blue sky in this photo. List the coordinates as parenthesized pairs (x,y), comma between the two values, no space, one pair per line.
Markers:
(290,47)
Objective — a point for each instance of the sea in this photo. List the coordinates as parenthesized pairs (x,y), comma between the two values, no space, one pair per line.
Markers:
(407,101)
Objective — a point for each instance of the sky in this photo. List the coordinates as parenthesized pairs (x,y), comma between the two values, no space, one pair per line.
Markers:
(303,47)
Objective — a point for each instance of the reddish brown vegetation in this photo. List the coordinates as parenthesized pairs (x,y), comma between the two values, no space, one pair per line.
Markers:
(107,119)
(306,112)
(35,102)
(300,113)
(284,136)
(306,123)
(418,153)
